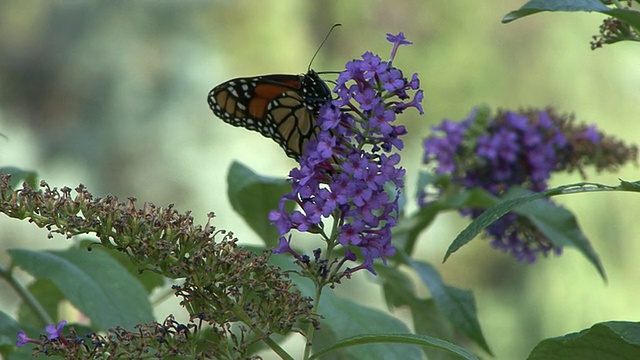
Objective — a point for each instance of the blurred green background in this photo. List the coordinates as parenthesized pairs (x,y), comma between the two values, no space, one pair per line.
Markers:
(112,94)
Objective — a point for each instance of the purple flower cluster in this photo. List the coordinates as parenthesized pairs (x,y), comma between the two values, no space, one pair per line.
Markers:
(347,172)
(496,153)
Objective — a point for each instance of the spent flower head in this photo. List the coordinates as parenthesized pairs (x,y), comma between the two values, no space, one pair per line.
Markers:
(168,242)
(167,339)
(349,172)
(517,149)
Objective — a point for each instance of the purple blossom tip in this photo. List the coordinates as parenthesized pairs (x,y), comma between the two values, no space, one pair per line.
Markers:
(22,340)
(398,39)
(55,331)
(592,134)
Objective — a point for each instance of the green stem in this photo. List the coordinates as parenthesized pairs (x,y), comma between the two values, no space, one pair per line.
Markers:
(311,328)
(242,316)
(26,295)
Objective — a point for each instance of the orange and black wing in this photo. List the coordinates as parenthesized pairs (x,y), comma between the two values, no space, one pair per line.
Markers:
(281,107)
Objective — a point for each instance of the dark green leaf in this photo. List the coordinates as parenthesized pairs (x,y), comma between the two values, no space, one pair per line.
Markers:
(343,318)
(560,227)
(93,282)
(397,286)
(614,340)
(630,16)
(487,218)
(405,234)
(536,6)
(630,186)
(399,291)
(49,297)
(253,196)
(394,339)
(346,318)
(8,329)
(429,320)
(555,222)
(8,335)
(478,198)
(457,305)
(426,178)
(150,280)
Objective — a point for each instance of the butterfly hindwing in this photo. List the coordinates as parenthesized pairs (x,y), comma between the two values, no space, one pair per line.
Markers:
(281,107)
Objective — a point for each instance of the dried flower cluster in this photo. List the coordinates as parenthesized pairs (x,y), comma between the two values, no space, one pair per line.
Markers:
(613,30)
(151,341)
(223,284)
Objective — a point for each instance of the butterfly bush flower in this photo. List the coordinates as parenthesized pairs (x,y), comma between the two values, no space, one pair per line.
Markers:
(55,332)
(23,339)
(516,148)
(349,172)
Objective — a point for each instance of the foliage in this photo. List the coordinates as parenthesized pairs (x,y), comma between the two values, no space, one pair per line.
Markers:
(347,194)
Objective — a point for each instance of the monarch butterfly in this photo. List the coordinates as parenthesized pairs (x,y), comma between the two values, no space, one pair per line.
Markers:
(281,107)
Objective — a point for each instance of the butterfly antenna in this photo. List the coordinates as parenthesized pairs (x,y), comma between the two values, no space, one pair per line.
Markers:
(322,43)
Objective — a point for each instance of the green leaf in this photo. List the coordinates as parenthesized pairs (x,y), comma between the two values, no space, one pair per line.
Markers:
(149,279)
(429,320)
(555,222)
(9,334)
(536,6)
(8,329)
(397,286)
(344,318)
(405,234)
(49,297)
(487,218)
(632,17)
(253,196)
(457,305)
(18,176)
(560,227)
(630,186)
(399,291)
(93,282)
(614,340)
(395,339)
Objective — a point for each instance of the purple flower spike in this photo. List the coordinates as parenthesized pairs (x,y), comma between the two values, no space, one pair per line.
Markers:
(515,149)
(348,172)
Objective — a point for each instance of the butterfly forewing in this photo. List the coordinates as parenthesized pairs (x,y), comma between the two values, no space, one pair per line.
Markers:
(281,107)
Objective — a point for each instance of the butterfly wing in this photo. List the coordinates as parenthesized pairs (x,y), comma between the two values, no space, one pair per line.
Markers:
(281,107)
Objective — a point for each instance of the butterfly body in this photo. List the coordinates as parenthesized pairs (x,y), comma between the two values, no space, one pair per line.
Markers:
(281,107)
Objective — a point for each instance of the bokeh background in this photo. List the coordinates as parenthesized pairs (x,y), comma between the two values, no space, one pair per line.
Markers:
(112,94)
